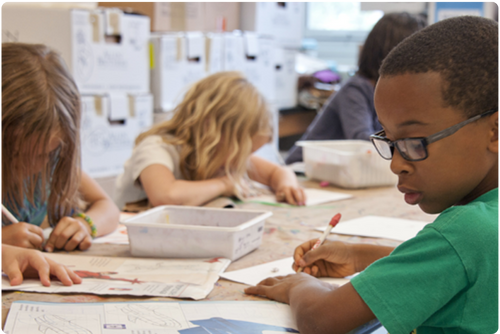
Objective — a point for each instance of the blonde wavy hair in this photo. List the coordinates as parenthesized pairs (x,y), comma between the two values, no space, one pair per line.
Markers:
(39,100)
(214,126)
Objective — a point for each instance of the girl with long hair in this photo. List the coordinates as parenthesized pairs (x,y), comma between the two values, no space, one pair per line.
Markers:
(205,150)
(41,175)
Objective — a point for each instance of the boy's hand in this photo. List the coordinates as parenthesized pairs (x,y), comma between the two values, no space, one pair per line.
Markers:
(18,261)
(331,259)
(291,194)
(69,234)
(278,288)
(22,235)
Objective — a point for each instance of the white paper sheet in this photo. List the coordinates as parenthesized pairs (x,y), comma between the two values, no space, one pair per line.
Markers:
(180,278)
(150,317)
(313,197)
(283,267)
(379,227)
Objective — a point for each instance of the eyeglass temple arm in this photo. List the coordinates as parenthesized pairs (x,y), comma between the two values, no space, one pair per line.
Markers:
(455,128)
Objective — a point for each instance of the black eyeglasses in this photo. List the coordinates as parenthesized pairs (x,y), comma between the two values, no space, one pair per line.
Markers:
(415,149)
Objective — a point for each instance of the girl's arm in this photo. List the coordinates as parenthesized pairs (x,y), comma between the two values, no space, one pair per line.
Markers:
(163,188)
(280,179)
(101,208)
(72,232)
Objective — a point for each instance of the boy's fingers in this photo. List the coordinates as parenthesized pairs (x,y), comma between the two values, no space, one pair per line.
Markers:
(312,256)
(257,290)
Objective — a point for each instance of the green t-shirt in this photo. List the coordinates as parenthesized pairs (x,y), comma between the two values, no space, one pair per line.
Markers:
(445,279)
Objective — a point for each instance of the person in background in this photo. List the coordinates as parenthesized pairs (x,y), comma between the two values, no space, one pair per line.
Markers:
(205,150)
(437,100)
(41,175)
(349,113)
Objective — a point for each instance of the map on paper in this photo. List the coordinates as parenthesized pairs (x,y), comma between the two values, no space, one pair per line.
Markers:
(253,275)
(234,317)
(379,227)
(179,278)
(313,197)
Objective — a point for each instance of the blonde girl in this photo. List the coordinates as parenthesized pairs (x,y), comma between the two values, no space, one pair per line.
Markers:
(205,150)
(41,176)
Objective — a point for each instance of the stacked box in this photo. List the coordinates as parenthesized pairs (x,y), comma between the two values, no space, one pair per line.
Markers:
(107,53)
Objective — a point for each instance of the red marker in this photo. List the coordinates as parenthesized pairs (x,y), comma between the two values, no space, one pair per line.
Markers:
(335,220)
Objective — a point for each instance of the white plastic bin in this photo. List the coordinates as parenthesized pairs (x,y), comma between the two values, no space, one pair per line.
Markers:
(194,232)
(346,163)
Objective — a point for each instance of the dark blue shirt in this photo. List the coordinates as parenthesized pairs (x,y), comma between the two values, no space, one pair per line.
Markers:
(348,114)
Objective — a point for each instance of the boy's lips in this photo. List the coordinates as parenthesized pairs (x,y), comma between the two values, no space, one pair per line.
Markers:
(411,196)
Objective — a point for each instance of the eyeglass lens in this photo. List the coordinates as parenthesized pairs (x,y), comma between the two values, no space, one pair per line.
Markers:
(410,149)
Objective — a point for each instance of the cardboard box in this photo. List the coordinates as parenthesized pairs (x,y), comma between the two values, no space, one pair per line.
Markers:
(286,78)
(178,60)
(106,51)
(284,21)
(110,125)
(186,16)
(214,53)
(253,55)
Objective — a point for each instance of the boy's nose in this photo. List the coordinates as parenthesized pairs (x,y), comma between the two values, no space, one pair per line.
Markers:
(399,165)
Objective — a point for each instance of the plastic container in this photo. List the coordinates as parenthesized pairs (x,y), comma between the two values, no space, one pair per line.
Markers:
(194,232)
(346,163)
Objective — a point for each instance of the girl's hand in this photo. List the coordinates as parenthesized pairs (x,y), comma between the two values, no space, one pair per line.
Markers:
(18,261)
(331,259)
(228,189)
(291,194)
(278,288)
(22,235)
(69,234)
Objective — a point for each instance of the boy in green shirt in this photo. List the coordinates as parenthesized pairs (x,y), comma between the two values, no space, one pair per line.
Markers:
(437,100)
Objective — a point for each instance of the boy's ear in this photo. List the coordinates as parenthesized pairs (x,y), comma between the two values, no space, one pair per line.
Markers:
(493,133)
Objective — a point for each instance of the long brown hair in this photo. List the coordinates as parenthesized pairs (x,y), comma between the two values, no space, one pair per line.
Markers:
(214,126)
(388,32)
(39,101)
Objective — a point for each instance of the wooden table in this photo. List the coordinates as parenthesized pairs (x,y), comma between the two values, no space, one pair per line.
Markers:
(284,230)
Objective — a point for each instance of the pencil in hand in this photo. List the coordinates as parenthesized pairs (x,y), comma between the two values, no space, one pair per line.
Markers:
(335,220)
(9,215)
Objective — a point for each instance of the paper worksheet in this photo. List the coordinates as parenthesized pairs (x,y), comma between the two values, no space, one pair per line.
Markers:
(379,227)
(180,278)
(234,317)
(313,197)
(283,267)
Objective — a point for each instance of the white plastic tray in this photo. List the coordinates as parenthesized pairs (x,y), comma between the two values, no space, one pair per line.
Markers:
(194,232)
(346,163)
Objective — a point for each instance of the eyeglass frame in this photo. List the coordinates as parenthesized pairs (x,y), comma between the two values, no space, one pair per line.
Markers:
(426,140)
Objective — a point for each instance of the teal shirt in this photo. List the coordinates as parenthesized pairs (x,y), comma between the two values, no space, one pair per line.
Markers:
(30,213)
(445,279)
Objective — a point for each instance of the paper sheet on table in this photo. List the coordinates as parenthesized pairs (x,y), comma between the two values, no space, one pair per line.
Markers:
(150,317)
(379,227)
(180,278)
(313,197)
(283,267)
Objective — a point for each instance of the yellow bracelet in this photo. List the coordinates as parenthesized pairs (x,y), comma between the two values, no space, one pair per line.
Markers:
(93,229)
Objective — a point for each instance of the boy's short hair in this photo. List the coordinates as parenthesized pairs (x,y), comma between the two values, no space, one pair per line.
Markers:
(464,50)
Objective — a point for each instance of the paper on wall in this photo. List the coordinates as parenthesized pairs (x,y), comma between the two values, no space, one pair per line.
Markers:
(179,278)
(379,227)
